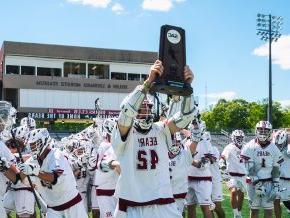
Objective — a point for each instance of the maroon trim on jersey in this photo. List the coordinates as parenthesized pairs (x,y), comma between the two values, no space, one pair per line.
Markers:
(284,178)
(68,204)
(43,156)
(223,157)
(124,204)
(197,178)
(236,174)
(245,157)
(103,192)
(22,189)
(181,195)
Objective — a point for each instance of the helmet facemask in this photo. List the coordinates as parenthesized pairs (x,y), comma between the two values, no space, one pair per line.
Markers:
(145,117)
(176,145)
(238,137)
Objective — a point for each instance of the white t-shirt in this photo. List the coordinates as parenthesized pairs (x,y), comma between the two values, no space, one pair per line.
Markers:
(65,189)
(178,167)
(5,152)
(264,158)
(231,154)
(214,167)
(106,180)
(203,149)
(144,164)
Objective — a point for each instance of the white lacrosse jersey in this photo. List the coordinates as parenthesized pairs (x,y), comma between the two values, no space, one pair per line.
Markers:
(178,168)
(106,180)
(5,152)
(144,164)
(203,149)
(264,158)
(214,167)
(285,165)
(66,188)
(231,154)
(80,172)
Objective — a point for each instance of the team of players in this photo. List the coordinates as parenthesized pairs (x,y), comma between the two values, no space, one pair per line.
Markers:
(139,165)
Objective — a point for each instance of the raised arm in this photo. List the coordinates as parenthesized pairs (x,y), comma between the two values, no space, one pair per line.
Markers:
(132,103)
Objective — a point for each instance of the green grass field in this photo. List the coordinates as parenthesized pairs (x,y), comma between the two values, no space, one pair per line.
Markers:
(227,208)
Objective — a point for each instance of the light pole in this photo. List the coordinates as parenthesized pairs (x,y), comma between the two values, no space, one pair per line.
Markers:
(268,29)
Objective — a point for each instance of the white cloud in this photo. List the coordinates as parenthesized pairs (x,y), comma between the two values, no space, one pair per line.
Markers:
(285,103)
(94,3)
(159,5)
(117,8)
(221,95)
(280,52)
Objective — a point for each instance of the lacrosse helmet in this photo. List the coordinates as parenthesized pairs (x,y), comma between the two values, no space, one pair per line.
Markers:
(29,122)
(263,131)
(281,139)
(238,137)
(38,140)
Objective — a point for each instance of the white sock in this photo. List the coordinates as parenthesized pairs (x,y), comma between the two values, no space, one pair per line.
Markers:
(236,212)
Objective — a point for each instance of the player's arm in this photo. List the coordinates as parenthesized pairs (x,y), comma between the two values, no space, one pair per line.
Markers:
(188,110)
(132,103)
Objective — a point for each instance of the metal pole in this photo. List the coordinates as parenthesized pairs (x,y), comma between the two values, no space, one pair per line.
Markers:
(270,71)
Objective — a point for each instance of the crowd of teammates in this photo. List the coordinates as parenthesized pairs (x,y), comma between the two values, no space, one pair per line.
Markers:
(140,165)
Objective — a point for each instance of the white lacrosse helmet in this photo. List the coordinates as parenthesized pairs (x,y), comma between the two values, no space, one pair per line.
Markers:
(176,144)
(38,140)
(29,122)
(145,117)
(21,133)
(71,145)
(281,139)
(109,125)
(13,114)
(6,120)
(263,131)
(207,136)
(238,137)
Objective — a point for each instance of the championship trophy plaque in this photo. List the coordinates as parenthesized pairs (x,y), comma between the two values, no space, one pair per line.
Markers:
(173,56)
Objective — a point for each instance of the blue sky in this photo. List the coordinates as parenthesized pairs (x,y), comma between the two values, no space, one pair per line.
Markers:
(222,46)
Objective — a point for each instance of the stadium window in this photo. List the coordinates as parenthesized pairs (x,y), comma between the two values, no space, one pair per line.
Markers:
(98,71)
(44,71)
(143,77)
(27,70)
(118,76)
(74,70)
(134,76)
(12,69)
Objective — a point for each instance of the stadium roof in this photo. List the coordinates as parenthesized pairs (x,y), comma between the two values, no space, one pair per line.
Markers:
(77,53)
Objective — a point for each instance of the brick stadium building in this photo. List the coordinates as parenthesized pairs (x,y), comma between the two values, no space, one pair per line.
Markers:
(50,82)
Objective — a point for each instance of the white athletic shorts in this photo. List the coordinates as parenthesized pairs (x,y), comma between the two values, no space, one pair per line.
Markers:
(238,182)
(2,210)
(199,192)
(94,200)
(21,201)
(217,192)
(285,192)
(107,205)
(156,211)
(257,202)
(76,211)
